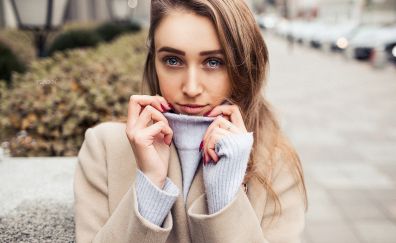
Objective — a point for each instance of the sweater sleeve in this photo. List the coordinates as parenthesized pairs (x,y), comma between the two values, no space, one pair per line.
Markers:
(154,203)
(222,180)
(93,220)
(239,221)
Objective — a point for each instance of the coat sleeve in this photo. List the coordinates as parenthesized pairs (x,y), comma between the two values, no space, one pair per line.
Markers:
(93,222)
(238,222)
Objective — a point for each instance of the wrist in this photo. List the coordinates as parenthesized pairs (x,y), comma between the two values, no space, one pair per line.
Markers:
(159,182)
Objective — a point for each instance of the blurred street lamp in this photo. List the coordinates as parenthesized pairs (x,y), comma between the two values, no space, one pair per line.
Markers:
(40,17)
(120,9)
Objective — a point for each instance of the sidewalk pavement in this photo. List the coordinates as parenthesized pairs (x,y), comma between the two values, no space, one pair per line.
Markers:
(36,196)
(341,116)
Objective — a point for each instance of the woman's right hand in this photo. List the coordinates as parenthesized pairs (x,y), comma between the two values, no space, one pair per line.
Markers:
(150,136)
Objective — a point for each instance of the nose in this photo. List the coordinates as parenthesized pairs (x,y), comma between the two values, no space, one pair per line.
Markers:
(192,85)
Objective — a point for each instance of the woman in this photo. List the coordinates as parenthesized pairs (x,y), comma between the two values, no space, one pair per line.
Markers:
(202,158)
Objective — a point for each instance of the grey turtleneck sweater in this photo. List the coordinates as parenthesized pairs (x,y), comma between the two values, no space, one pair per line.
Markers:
(221,180)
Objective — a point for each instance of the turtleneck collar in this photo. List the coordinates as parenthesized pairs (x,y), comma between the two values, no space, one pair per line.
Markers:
(188,131)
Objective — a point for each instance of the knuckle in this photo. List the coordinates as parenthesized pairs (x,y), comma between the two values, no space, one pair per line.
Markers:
(219,119)
(216,129)
(148,108)
(134,98)
(137,138)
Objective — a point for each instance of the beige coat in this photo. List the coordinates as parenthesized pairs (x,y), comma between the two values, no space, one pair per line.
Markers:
(106,206)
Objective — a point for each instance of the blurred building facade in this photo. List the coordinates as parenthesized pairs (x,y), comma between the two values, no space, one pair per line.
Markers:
(82,11)
(372,11)
(86,10)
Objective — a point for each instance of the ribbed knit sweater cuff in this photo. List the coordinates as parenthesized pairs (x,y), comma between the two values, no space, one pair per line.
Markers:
(222,180)
(154,203)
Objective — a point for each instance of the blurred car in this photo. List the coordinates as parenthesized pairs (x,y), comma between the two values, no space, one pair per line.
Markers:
(363,41)
(308,30)
(333,36)
(282,28)
(267,22)
(339,35)
(385,47)
(318,37)
(390,50)
(296,30)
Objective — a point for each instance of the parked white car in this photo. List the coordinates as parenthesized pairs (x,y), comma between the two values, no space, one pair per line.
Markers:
(363,41)
(384,50)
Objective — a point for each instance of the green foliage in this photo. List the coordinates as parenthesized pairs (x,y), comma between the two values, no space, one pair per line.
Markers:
(77,38)
(48,110)
(109,30)
(9,62)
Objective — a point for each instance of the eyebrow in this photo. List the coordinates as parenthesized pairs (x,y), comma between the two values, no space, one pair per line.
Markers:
(202,53)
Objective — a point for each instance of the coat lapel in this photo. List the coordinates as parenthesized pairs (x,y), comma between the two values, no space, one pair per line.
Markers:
(179,212)
(180,226)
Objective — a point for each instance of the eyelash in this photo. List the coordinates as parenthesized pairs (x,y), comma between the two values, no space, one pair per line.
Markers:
(220,62)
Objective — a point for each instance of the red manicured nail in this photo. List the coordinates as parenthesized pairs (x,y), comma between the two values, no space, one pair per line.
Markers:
(163,108)
(207,113)
(200,146)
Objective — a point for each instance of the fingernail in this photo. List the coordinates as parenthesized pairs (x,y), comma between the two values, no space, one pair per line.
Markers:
(171,106)
(200,146)
(163,108)
(207,113)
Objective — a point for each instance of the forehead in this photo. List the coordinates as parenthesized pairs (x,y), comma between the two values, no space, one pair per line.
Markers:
(186,31)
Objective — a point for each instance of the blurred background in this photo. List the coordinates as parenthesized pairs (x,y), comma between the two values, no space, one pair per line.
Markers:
(67,65)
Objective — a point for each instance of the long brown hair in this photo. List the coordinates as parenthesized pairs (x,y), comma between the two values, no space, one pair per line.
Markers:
(246,56)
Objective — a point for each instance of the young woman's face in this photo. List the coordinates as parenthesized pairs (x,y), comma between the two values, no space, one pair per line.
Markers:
(190,64)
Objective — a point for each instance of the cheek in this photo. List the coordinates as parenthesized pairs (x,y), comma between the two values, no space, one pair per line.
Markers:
(169,83)
(219,86)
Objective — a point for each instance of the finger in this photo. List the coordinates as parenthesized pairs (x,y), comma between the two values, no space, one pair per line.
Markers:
(157,128)
(212,154)
(149,114)
(232,111)
(137,102)
(222,123)
(215,137)
(164,102)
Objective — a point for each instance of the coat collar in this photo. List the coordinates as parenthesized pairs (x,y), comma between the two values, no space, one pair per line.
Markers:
(175,174)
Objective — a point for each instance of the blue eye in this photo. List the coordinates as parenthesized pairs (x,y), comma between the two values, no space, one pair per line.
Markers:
(213,63)
(172,61)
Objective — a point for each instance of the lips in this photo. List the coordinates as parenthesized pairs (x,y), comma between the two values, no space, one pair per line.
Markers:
(193,105)
(192,108)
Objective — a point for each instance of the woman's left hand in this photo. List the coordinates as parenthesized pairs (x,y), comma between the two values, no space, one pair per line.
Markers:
(229,120)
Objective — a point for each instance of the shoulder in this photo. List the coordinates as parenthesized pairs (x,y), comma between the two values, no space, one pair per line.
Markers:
(106,131)
(108,136)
